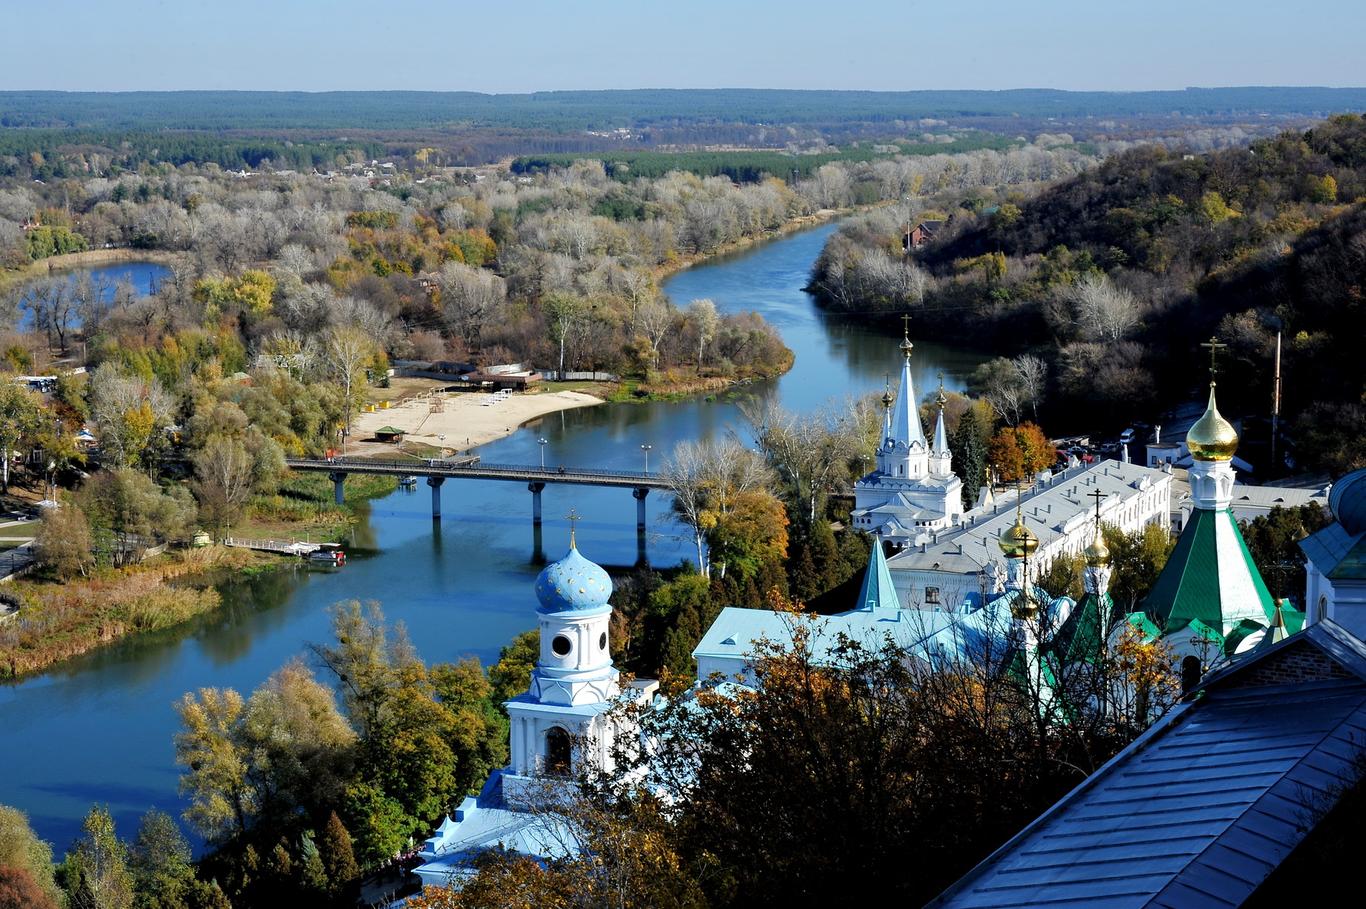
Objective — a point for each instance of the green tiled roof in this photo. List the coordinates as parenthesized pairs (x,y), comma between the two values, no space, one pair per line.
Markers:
(1082,637)
(1193,582)
(1144,626)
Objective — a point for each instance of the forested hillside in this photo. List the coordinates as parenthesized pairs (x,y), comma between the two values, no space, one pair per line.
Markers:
(1115,275)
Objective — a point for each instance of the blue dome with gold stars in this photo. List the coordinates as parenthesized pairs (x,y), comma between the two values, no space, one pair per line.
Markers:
(573,584)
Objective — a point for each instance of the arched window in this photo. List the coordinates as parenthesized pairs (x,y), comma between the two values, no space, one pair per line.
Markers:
(557,751)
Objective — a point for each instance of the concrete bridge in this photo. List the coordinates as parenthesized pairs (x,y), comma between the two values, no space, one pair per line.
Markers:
(438,471)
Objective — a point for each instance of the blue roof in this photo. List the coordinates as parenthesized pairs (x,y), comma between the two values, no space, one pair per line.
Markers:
(573,584)
(931,635)
(877,590)
(1201,808)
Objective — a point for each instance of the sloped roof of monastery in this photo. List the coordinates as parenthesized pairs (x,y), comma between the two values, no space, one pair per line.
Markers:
(1051,509)
(1206,804)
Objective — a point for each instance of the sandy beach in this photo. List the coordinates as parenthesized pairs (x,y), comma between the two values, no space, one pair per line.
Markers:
(461,420)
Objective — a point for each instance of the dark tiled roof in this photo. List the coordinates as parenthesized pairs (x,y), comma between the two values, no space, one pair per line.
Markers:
(1199,810)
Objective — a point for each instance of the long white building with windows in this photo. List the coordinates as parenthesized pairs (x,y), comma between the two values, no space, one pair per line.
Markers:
(962,565)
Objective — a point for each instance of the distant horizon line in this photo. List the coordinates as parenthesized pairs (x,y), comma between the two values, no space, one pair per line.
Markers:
(736,88)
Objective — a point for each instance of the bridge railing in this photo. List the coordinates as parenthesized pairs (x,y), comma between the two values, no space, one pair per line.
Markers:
(534,471)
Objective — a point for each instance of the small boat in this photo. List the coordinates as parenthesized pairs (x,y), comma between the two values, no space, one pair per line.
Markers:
(327,554)
(408,482)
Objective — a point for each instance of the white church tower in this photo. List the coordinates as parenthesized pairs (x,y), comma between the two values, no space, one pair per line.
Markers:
(558,722)
(913,492)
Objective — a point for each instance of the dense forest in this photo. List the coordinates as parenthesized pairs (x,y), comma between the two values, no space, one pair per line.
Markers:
(1111,279)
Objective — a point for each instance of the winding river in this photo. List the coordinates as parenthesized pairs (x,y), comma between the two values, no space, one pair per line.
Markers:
(99,729)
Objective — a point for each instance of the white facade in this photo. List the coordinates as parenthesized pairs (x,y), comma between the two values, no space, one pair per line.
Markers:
(913,491)
(1335,567)
(964,562)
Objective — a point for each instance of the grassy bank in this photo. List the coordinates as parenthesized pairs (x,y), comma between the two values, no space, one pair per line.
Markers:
(58,621)
(304,508)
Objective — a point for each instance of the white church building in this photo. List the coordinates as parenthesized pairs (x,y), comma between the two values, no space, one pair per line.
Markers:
(559,724)
(913,492)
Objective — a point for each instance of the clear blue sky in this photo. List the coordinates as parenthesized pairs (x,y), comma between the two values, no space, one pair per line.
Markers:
(527,45)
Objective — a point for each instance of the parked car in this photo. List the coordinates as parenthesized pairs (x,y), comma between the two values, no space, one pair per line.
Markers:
(1126,437)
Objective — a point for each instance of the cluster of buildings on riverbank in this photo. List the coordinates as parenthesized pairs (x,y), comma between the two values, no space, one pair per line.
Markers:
(962,583)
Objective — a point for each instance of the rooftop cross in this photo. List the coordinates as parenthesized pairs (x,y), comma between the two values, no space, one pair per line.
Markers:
(573,518)
(1214,345)
(941,397)
(906,344)
(1097,495)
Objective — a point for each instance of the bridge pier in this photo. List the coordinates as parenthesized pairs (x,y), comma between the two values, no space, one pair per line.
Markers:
(640,492)
(338,481)
(535,487)
(435,483)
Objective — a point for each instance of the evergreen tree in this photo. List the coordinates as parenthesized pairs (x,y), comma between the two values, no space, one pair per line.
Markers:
(339,859)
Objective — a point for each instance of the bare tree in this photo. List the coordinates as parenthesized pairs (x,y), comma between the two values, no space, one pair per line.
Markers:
(706,478)
(1033,373)
(704,318)
(655,319)
(808,452)
(345,350)
(470,299)
(1104,311)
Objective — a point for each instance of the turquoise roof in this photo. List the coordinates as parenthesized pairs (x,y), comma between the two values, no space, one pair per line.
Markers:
(573,584)
(877,591)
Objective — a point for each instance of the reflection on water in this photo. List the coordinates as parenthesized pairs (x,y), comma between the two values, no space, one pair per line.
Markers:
(100,728)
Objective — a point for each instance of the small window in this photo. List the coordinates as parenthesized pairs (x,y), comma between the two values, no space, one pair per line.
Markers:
(602,641)
(561,645)
(932,596)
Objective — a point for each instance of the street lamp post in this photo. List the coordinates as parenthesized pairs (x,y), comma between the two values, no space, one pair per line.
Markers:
(646,449)
(543,442)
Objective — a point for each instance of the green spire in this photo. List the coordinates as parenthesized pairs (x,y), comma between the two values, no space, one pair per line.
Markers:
(877,591)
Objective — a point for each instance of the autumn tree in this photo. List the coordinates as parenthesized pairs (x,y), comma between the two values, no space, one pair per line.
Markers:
(704,320)
(130,413)
(223,481)
(18,890)
(346,349)
(19,416)
(27,859)
(1018,453)
(64,543)
(95,873)
(338,855)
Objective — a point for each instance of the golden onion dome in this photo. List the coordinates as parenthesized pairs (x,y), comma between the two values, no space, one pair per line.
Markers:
(1019,541)
(887,398)
(1097,553)
(906,347)
(1024,606)
(1212,438)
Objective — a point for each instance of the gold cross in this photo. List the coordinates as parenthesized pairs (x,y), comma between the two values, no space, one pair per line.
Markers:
(906,325)
(1214,346)
(573,518)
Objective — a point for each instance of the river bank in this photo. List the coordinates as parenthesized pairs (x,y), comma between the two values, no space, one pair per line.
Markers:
(459,420)
(59,621)
(802,222)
